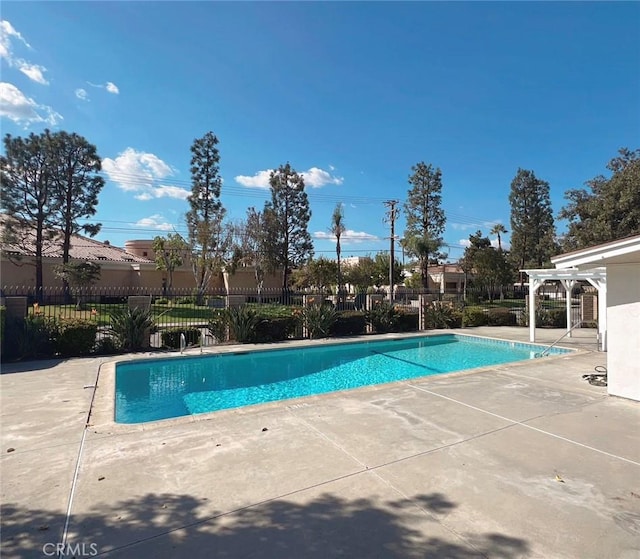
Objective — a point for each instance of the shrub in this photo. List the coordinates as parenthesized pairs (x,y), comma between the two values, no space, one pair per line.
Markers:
(474,316)
(106,346)
(407,322)
(171,336)
(75,337)
(348,323)
(383,317)
(558,318)
(161,301)
(500,317)
(437,315)
(318,320)
(185,301)
(274,329)
(30,337)
(242,323)
(131,328)
(218,325)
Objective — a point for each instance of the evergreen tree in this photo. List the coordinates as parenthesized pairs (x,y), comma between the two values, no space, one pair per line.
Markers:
(609,209)
(425,217)
(288,243)
(209,240)
(532,226)
(28,199)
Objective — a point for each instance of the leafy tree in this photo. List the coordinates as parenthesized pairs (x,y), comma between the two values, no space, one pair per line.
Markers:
(381,270)
(249,245)
(425,217)
(80,276)
(27,197)
(609,209)
(319,273)
(337,229)
(532,226)
(361,275)
(209,239)
(287,215)
(170,252)
(489,266)
(498,229)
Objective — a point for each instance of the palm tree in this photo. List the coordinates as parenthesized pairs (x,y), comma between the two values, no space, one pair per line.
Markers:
(496,230)
(337,229)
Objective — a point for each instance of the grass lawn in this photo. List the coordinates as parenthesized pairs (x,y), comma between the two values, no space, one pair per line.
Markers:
(162,314)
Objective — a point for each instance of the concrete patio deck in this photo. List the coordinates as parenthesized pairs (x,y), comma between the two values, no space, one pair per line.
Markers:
(521,460)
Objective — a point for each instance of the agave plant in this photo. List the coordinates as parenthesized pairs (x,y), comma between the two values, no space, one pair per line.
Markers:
(318,320)
(242,323)
(130,327)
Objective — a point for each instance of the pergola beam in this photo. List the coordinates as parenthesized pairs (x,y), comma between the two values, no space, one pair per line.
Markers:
(568,278)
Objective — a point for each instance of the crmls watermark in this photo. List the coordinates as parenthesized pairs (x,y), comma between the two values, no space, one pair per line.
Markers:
(76,550)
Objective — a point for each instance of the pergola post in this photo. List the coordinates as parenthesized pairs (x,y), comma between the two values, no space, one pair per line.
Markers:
(568,287)
(600,284)
(534,284)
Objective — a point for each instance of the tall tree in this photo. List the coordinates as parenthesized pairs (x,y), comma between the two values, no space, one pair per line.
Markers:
(76,184)
(425,217)
(170,253)
(209,239)
(250,247)
(609,209)
(489,266)
(27,198)
(319,273)
(337,229)
(498,229)
(286,219)
(532,226)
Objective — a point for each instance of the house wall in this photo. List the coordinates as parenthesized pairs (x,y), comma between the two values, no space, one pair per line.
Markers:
(623,325)
(244,278)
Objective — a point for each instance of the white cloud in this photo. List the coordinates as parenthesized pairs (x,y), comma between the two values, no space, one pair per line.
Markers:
(7,31)
(348,237)
(109,86)
(32,71)
(82,94)
(314,177)
(464,243)
(112,88)
(155,221)
(24,110)
(140,172)
(259,180)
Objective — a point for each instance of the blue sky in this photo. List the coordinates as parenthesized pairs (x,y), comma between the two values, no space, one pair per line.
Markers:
(352,94)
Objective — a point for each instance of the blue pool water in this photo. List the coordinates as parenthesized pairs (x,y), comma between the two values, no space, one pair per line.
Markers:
(148,390)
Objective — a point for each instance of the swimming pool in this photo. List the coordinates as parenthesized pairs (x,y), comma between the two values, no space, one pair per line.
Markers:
(153,389)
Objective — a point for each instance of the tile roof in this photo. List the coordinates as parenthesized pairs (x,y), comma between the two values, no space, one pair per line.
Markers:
(82,248)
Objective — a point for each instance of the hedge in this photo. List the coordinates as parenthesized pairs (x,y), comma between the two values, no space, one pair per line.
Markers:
(75,337)
(171,336)
(474,316)
(274,329)
(500,317)
(348,323)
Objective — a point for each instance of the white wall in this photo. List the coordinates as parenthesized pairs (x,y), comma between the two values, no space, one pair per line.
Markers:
(623,324)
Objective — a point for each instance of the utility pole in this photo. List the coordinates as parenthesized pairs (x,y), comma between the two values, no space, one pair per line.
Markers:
(390,217)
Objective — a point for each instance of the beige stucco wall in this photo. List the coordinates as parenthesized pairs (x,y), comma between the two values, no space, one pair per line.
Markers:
(623,325)
(245,279)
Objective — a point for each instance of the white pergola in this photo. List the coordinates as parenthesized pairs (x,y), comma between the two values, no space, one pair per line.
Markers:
(568,278)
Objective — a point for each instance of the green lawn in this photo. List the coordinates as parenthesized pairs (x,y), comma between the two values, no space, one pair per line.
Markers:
(162,314)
